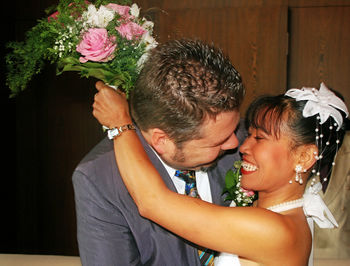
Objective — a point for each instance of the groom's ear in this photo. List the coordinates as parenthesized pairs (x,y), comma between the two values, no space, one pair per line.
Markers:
(160,141)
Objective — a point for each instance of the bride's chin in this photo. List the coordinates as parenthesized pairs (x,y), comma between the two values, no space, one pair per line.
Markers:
(247,184)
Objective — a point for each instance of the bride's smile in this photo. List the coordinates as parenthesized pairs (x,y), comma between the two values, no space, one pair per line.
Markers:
(248,168)
(267,160)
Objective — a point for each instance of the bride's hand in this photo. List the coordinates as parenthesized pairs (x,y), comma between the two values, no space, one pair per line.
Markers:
(110,107)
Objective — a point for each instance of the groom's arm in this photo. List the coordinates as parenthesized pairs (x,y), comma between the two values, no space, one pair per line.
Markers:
(104,237)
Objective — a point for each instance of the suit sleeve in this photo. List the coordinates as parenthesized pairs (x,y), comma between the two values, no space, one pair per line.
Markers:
(104,237)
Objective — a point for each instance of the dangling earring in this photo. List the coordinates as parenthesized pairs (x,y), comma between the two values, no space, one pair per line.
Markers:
(298,170)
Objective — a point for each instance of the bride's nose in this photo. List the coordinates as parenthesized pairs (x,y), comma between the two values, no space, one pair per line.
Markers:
(244,148)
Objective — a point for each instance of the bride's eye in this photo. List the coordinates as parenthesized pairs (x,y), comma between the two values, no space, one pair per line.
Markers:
(257,137)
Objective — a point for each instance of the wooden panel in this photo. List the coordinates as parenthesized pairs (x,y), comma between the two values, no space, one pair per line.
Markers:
(254,38)
(54,130)
(317,3)
(68,132)
(319,50)
(55,113)
(200,4)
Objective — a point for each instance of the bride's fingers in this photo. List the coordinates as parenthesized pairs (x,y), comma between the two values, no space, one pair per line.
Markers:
(122,93)
(99,85)
(105,89)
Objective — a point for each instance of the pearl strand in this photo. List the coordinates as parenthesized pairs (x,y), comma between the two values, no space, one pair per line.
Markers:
(285,206)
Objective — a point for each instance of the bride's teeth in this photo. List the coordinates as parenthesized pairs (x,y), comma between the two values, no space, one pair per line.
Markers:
(248,167)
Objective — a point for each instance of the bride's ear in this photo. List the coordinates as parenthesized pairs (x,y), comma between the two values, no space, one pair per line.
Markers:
(307,156)
(160,141)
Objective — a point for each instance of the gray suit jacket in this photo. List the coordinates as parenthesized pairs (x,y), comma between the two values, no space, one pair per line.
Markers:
(110,229)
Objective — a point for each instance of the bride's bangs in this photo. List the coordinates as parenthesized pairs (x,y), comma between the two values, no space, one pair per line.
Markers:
(266,114)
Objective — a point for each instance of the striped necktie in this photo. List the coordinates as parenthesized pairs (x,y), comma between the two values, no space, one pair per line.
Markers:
(190,182)
(206,256)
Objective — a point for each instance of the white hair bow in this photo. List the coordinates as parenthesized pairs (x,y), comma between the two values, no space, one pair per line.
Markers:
(315,207)
(323,102)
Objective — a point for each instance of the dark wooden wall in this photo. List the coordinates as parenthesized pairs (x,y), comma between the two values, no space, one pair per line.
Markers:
(48,128)
(319,47)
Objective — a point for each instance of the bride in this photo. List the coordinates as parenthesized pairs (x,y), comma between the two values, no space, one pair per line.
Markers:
(290,137)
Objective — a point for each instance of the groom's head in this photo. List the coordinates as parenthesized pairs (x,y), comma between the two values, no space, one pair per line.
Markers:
(186,103)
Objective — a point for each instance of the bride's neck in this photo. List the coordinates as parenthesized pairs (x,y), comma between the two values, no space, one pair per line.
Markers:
(270,198)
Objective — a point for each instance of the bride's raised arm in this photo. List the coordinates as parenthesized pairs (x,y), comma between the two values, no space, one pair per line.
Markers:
(253,233)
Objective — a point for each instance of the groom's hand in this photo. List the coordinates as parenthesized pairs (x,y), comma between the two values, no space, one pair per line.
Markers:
(110,107)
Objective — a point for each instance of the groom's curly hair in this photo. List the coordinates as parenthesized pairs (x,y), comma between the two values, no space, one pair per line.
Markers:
(182,83)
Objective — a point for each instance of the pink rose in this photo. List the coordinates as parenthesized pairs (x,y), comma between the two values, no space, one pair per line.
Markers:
(121,10)
(131,30)
(53,16)
(248,193)
(96,46)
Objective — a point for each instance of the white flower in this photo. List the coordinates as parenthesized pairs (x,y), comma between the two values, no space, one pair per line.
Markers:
(142,60)
(148,39)
(323,102)
(150,44)
(148,25)
(98,18)
(134,10)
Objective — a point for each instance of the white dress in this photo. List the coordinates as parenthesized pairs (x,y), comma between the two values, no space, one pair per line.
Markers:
(315,211)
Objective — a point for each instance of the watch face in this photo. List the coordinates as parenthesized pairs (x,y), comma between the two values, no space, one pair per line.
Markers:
(112,133)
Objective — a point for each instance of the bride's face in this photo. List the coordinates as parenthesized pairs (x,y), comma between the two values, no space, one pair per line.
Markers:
(268,161)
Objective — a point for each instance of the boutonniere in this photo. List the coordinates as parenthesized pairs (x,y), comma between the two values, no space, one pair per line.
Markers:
(240,196)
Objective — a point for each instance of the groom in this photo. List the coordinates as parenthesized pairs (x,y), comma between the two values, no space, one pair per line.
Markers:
(185,106)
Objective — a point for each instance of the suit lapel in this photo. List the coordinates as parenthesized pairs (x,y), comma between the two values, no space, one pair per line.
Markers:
(216,188)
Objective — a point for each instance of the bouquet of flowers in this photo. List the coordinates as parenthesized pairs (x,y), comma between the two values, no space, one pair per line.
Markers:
(106,39)
(240,196)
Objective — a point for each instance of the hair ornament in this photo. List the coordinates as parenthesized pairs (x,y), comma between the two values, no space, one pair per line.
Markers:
(322,102)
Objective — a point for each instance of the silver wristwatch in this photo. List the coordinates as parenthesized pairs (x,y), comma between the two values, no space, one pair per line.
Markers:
(115,132)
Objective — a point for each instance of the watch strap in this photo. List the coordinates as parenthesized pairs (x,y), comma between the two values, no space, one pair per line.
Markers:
(115,132)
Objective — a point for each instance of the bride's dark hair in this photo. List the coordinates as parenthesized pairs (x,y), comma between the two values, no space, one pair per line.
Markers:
(276,114)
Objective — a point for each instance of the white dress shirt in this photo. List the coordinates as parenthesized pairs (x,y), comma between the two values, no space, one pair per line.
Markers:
(202,182)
